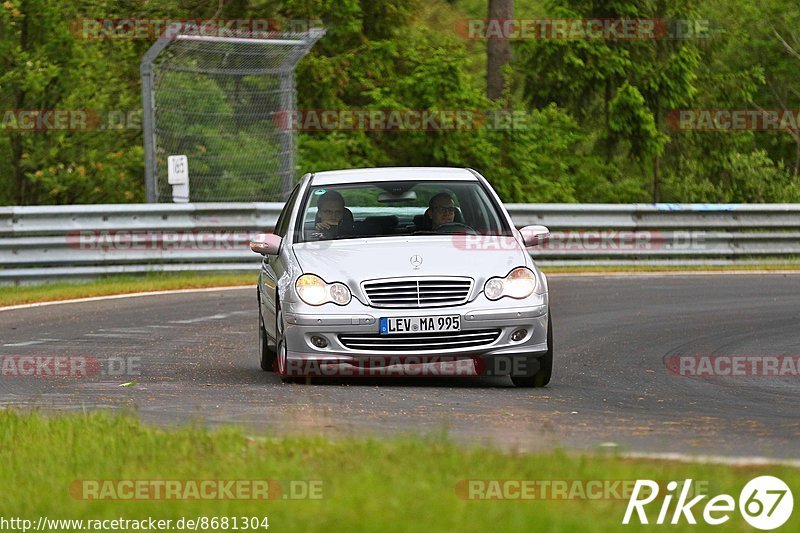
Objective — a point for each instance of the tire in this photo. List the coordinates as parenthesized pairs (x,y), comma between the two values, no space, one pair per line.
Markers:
(266,354)
(542,376)
(281,367)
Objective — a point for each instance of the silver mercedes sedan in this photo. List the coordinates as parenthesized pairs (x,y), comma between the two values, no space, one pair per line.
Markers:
(402,272)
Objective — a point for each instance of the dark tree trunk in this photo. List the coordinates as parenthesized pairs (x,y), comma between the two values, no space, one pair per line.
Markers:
(16,138)
(657,158)
(796,157)
(657,179)
(498,50)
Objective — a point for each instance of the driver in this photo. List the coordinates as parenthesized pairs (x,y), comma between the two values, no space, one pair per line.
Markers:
(330,210)
(331,217)
(441,210)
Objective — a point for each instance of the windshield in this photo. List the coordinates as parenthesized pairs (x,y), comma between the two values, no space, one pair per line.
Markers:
(403,208)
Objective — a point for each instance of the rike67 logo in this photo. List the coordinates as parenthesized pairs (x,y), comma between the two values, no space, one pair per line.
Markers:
(765,503)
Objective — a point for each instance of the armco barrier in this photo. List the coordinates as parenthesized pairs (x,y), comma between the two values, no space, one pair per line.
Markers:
(90,240)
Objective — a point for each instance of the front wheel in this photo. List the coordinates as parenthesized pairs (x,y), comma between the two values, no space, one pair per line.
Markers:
(545,371)
(281,358)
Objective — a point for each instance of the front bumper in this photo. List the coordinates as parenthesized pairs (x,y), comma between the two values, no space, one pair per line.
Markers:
(333,324)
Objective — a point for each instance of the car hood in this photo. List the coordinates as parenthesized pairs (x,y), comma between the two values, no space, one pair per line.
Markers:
(355,260)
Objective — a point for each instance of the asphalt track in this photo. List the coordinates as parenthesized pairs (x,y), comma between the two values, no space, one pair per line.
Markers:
(194,359)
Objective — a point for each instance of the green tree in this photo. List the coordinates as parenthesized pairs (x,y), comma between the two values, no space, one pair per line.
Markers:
(622,90)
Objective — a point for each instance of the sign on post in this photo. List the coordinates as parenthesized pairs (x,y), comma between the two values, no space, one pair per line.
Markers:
(178,177)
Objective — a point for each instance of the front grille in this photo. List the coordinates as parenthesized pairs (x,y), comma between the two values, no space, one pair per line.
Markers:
(417,292)
(420,342)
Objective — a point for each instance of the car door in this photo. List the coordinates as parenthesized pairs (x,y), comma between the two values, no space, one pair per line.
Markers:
(273,266)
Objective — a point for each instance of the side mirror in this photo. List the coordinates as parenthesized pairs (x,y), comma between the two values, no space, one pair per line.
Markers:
(535,235)
(267,244)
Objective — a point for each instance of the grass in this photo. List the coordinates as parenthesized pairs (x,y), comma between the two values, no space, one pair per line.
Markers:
(402,484)
(67,290)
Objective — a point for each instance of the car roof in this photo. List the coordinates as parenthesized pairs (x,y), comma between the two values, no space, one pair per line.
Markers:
(371,175)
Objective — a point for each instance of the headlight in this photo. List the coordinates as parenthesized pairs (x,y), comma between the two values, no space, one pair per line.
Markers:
(519,283)
(314,291)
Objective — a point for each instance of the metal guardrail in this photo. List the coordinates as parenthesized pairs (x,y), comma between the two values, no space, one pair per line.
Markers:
(91,240)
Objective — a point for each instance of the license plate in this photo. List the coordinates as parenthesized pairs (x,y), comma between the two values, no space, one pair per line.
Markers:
(420,324)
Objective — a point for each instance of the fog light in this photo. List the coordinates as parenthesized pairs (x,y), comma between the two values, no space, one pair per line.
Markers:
(519,334)
(319,342)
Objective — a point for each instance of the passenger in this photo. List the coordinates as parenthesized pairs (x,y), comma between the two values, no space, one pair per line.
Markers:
(441,210)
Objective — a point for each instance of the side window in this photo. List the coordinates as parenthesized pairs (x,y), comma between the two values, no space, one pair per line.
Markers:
(283,220)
